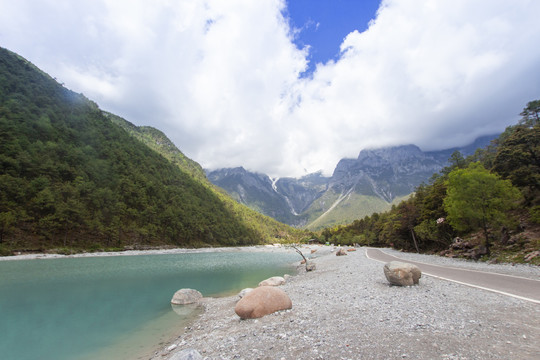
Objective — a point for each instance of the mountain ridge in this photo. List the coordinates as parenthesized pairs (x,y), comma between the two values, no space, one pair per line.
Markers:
(376,178)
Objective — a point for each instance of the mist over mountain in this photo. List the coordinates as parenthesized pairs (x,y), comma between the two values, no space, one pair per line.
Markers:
(358,187)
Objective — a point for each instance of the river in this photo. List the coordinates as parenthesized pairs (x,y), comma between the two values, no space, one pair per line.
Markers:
(115,307)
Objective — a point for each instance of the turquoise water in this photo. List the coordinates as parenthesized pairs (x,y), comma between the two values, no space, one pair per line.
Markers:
(113,307)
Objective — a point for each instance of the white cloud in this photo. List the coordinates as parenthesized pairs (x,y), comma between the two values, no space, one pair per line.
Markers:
(434,73)
(221,78)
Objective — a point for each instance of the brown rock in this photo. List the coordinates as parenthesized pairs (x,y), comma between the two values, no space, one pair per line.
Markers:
(401,273)
(262,301)
(351,249)
(341,252)
(313,250)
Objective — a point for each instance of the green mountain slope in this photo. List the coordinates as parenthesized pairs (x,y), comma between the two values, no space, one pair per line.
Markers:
(160,143)
(333,209)
(268,228)
(71,177)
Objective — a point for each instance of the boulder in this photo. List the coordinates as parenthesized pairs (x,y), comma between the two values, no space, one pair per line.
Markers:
(351,249)
(273,281)
(313,251)
(310,266)
(400,273)
(476,253)
(341,252)
(262,301)
(187,354)
(244,292)
(186,296)
(531,255)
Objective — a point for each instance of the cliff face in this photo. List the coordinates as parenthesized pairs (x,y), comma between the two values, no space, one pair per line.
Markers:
(385,173)
(258,191)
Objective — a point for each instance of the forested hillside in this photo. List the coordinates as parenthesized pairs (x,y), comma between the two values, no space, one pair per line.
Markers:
(69,177)
(267,227)
(491,199)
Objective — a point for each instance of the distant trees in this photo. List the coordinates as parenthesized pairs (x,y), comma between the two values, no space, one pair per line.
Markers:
(518,159)
(531,114)
(478,199)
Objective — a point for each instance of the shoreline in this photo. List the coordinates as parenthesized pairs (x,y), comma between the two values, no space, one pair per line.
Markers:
(250,248)
(346,309)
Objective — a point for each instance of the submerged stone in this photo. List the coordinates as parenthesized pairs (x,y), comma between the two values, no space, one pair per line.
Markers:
(186,296)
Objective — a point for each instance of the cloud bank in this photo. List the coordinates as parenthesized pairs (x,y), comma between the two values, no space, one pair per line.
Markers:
(222,78)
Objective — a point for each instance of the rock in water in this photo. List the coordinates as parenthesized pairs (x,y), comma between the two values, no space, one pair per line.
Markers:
(403,274)
(186,296)
(262,301)
(273,281)
(187,354)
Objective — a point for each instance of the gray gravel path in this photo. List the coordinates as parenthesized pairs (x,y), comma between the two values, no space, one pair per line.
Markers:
(347,310)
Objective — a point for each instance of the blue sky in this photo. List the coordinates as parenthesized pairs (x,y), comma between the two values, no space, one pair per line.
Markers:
(324,24)
(250,82)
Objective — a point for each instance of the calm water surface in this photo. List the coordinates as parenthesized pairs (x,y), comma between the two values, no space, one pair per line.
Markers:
(114,307)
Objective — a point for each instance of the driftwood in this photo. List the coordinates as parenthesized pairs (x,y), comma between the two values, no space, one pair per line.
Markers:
(308,268)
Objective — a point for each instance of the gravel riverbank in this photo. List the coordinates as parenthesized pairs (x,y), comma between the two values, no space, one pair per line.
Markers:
(346,310)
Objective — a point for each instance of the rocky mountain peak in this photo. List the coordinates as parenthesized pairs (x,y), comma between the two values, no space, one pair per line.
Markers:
(392,154)
(384,174)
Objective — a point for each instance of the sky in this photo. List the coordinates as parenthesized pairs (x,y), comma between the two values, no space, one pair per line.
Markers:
(288,88)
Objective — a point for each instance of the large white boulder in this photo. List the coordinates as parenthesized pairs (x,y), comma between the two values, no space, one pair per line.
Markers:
(401,273)
(273,281)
